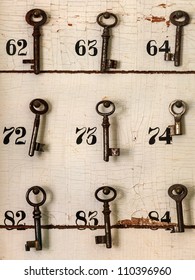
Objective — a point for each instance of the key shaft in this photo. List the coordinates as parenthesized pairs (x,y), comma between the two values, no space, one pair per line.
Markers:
(33,141)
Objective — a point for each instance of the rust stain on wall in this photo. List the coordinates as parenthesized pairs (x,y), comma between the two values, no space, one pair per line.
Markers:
(162,5)
(155,19)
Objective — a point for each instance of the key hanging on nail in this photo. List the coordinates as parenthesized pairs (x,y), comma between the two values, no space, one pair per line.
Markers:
(36,18)
(106,63)
(37,243)
(178,193)
(108,194)
(105,124)
(176,19)
(176,129)
(38,107)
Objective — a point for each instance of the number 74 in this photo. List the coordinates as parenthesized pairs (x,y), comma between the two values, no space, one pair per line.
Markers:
(166,136)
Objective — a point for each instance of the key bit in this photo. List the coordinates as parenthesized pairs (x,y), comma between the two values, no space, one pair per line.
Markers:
(105,197)
(176,129)
(37,243)
(38,107)
(36,18)
(105,124)
(178,192)
(176,19)
(106,63)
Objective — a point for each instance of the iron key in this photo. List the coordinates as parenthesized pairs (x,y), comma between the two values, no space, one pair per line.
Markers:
(106,63)
(176,19)
(38,107)
(37,243)
(105,124)
(178,193)
(107,238)
(32,18)
(176,129)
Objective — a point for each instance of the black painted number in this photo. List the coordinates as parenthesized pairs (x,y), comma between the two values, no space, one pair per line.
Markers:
(14,47)
(166,136)
(82,48)
(91,139)
(153,215)
(152,48)
(21,131)
(82,219)
(10,219)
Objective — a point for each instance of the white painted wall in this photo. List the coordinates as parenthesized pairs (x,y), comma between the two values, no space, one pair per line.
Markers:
(71,173)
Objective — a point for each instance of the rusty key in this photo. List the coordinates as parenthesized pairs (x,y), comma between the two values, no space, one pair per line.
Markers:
(176,129)
(105,198)
(106,63)
(38,107)
(180,19)
(36,18)
(37,243)
(178,193)
(105,124)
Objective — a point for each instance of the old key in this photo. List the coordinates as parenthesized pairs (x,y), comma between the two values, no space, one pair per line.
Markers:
(36,18)
(107,238)
(176,19)
(176,129)
(105,62)
(105,124)
(38,107)
(37,243)
(178,193)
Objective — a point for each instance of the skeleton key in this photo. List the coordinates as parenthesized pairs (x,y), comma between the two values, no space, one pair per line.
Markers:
(107,238)
(105,124)
(106,64)
(178,193)
(32,18)
(38,107)
(175,19)
(37,243)
(176,129)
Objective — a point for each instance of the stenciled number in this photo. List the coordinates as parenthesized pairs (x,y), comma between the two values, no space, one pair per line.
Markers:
(166,136)
(152,48)
(9,216)
(81,48)
(12,47)
(153,215)
(21,131)
(91,138)
(83,219)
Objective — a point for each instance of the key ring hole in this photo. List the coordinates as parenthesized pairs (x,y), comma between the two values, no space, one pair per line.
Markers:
(177,108)
(179,18)
(177,192)
(36,17)
(106,104)
(109,17)
(106,195)
(39,106)
(39,195)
